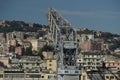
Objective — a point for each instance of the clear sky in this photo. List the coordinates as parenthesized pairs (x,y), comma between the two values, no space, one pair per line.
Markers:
(102,15)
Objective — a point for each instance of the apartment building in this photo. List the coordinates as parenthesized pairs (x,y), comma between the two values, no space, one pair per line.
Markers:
(90,60)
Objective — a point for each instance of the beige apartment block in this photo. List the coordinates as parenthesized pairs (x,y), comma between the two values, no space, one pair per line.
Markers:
(37,44)
(5,61)
(113,65)
(12,42)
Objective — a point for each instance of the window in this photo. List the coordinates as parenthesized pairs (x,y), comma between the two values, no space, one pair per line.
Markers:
(97,59)
(84,67)
(66,71)
(49,77)
(107,77)
(84,78)
(33,64)
(50,64)
(1,75)
(50,60)
(118,68)
(93,67)
(98,63)
(27,67)
(42,76)
(45,67)
(111,77)
(85,59)
(113,63)
(89,63)
(50,68)
(88,67)
(76,72)
(27,63)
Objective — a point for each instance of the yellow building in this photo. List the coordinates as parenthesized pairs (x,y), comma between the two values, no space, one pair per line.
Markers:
(2,40)
(49,55)
(51,65)
(84,76)
(50,59)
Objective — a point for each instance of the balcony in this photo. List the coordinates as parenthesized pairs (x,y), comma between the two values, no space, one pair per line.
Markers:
(77,72)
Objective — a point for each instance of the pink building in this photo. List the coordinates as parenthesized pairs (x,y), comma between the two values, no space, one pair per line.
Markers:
(19,50)
(5,61)
(90,45)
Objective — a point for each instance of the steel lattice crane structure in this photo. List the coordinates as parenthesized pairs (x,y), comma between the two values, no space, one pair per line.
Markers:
(63,37)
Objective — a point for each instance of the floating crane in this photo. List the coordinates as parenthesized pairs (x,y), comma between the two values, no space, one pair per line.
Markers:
(63,37)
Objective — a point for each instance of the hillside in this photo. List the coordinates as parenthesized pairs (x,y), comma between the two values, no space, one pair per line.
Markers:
(98,34)
(10,26)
